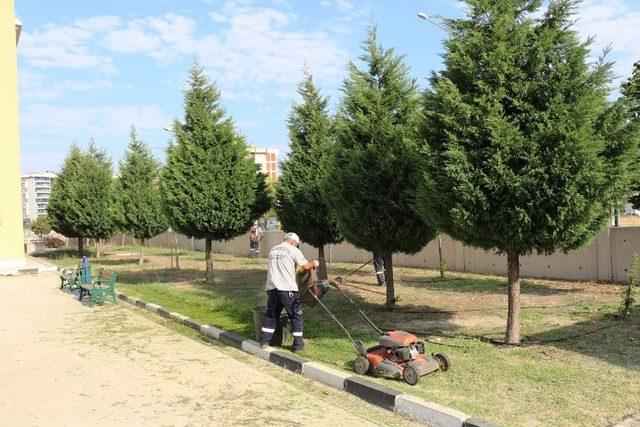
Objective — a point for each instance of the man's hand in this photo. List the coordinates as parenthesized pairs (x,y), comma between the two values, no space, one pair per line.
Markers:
(311,265)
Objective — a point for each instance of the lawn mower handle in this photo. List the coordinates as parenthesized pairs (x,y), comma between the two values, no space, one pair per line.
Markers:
(356,343)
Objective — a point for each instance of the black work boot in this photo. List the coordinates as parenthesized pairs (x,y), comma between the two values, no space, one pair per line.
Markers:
(299,345)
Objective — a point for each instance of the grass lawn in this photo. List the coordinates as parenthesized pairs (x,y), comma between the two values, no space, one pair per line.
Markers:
(590,380)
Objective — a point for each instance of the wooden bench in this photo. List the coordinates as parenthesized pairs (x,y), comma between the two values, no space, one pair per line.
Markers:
(100,290)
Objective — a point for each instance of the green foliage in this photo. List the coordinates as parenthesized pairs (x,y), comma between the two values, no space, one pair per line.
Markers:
(371,174)
(631,90)
(94,195)
(629,294)
(139,210)
(41,225)
(81,202)
(523,151)
(211,189)
(631,94)
(61,209)
(300,206)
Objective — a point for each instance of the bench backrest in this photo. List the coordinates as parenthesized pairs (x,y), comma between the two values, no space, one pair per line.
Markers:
(112,282)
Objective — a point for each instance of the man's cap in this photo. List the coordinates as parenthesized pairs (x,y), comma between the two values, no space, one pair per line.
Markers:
(292,236)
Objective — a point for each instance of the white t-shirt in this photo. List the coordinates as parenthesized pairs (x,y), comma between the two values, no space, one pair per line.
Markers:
(283,261)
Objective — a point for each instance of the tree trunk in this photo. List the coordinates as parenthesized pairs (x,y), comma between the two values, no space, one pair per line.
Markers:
(141,259)
(171,256)
(388,276)
(122,240)
(175,242)
(322,268)
(98,244)
(513,318)
(442,264)
(81,246)
(208,260)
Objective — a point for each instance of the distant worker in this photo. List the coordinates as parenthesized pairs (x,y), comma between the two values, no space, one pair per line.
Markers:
(255,237)
(378,265)
(282,290)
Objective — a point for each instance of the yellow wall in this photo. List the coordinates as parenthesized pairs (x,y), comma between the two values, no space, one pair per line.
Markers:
(11,235)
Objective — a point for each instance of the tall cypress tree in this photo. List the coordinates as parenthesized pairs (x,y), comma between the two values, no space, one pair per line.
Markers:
(94,197)
(523,151)
(630,90)
(138,201)
(370,175)
(211,189)
(81,203)
(62,209)
(300,206)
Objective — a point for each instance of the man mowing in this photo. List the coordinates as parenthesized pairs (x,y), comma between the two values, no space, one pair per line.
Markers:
(282,290)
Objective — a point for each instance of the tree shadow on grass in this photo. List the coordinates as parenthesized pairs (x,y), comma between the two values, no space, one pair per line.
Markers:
(485,286)
(235,292)
(60,254)
(458,283)
(607,337)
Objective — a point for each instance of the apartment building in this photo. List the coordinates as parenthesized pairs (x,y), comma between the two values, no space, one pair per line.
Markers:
(267,158)
(36,190)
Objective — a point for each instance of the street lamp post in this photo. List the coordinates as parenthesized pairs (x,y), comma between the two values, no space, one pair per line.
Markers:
(427,18)
(441,261)
(174,241)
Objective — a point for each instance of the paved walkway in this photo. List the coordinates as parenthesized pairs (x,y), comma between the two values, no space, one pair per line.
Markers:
(63,363)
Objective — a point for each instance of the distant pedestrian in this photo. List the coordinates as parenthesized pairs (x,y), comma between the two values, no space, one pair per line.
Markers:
(255,237)
(378,264)
(282,289)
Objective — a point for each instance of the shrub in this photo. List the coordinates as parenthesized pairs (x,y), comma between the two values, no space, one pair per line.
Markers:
(53,241)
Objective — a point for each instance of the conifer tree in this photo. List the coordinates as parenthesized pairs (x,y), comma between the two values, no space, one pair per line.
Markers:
(139,210)
(81,202)
(370,173)
(300,206)
(630,90)
(523,151)
(94,197)
(62,210)
(211,189)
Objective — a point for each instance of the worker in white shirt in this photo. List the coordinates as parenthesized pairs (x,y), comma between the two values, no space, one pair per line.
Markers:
(282,290)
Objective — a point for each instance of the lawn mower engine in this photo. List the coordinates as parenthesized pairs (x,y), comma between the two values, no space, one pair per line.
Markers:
(399,355)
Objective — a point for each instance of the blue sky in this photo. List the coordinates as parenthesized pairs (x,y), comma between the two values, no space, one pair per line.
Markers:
(89,69)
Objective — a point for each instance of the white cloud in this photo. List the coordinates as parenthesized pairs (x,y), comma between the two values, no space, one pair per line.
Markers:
(68,46)
(615,23)
(250,49)
(35,86)
(263,47)
(341,5)
(95,121)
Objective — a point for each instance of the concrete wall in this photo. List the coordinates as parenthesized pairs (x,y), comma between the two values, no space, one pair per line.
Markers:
(608,258)
(11,237)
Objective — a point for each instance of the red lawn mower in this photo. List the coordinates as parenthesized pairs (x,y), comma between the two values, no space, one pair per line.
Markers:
(399,353)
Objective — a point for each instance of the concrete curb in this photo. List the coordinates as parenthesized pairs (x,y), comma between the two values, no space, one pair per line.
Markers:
(287,361)
(429,412)
(325,375)
(374,393)
(232,339)
(380,395)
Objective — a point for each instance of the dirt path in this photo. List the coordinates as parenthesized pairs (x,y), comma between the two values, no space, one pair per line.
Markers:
(63,363)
